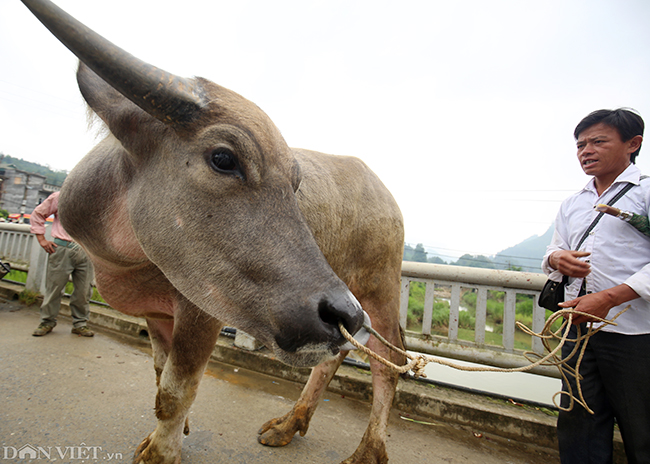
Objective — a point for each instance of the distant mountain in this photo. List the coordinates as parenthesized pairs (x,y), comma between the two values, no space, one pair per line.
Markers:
(527,255)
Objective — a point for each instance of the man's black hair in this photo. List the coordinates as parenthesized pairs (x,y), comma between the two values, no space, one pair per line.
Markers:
(627,122)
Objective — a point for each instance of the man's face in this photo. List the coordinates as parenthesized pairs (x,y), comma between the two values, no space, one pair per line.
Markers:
(602,153)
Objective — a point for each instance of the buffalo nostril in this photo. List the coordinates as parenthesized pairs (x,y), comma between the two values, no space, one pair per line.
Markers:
(345,309)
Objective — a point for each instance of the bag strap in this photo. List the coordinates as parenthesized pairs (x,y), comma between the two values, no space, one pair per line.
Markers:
(617,197)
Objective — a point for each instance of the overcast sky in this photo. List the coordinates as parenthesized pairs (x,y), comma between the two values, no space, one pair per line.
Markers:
(465,109)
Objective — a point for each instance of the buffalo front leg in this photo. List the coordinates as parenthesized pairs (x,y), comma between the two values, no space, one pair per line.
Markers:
(372,449)
(192,341)
(280,431)
(160,334)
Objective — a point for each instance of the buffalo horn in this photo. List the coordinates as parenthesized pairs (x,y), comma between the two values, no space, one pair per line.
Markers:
(167,97)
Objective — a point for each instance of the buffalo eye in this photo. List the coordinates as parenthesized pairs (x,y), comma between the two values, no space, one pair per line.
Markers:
(224,161)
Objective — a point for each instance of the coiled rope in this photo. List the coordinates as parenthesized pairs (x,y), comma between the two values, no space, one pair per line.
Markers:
(417,362)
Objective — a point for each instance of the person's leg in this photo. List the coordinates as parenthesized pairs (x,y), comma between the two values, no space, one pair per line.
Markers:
(82,276)
(624,361)
(56,278)
(583,437)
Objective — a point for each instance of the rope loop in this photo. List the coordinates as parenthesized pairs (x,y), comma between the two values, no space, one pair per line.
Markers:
(417,363)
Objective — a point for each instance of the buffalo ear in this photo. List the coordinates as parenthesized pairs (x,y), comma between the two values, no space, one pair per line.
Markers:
(137,130)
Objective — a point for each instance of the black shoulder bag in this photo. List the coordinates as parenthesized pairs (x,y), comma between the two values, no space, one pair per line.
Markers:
(553,292)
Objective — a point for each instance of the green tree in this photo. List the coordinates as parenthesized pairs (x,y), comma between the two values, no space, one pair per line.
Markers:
(416,254)
(419,255)
(408,253)
(435,260)
(512,267)
(479,261)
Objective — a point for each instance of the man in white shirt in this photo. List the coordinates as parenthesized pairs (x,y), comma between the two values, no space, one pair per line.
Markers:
(610,271)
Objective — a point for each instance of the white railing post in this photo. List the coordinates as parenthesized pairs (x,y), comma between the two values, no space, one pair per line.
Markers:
(539,320)
(509,320)
(404,301)
(454,312)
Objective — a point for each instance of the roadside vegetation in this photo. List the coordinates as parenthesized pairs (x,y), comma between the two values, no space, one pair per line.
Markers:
(467,315)
(29,298)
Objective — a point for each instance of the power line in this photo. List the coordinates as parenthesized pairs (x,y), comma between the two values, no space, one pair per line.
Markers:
(503,190)
(462,252)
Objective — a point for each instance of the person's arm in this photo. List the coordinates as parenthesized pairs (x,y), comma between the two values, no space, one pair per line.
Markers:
(47,245)
(599,303)
(559,259)
(568,262)
(37,222)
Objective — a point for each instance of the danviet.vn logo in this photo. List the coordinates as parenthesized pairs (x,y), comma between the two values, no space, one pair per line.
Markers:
(80,452)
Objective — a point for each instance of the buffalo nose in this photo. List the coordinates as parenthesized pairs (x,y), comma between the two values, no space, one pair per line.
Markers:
(343,308)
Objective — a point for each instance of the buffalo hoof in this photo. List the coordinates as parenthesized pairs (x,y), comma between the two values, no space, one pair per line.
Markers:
(369,453)
(280,431)
(148,453)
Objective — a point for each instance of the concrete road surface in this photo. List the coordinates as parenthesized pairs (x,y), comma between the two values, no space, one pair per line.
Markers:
(91,400)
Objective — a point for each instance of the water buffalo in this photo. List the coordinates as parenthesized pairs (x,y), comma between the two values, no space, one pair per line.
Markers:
(196,214)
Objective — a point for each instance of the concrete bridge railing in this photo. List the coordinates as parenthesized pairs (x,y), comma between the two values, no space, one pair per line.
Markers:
(455,280)
(21,249)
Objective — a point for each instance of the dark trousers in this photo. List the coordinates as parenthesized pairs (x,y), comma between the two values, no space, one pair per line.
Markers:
(615,385)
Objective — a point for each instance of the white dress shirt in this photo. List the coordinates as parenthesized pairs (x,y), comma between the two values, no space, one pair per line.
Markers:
(619,252)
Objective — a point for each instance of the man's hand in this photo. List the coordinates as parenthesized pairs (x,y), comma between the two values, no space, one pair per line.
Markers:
(567,262)
(48,246)
(599,303)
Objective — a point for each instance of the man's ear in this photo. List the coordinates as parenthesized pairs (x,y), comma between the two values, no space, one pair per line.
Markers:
(634,143)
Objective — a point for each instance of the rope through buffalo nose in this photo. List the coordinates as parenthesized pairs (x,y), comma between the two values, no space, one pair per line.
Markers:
(417,363)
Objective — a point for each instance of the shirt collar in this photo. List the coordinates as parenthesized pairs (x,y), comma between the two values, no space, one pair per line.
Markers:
(631,174)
